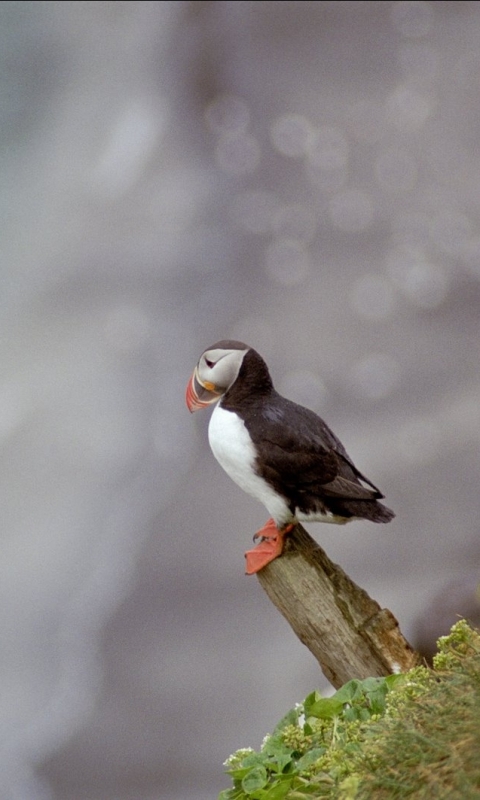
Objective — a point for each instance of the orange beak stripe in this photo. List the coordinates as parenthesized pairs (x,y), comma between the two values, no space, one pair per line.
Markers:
(192,396)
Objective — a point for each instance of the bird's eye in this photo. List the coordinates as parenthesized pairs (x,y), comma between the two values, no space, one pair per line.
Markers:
(209,363)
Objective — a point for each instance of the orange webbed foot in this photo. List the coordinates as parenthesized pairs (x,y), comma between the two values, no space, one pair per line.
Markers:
(270,547)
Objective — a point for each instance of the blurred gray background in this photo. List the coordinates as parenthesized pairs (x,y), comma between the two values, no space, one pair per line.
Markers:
(303,176)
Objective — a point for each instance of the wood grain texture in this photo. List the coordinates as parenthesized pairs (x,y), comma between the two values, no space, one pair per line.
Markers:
(349,634)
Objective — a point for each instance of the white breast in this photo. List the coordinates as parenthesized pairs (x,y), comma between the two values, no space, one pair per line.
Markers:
(232,447)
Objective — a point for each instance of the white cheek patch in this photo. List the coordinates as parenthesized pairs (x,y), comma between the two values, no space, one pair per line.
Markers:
(225,369)
(232,447)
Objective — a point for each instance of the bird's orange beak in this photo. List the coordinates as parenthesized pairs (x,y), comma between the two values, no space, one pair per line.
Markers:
(200,394)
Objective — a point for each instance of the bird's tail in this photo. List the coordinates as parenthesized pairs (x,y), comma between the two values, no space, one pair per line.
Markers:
(365,509)
(375,512)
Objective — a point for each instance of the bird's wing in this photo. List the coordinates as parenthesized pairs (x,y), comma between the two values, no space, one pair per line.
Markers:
(298,453)
(314,471)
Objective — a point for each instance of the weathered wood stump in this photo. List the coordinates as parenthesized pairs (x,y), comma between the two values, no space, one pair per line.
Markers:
(347,632)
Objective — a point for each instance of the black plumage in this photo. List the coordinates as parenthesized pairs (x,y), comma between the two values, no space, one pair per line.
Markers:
(296,452)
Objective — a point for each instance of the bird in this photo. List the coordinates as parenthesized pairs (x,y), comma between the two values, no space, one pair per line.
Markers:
(277,451)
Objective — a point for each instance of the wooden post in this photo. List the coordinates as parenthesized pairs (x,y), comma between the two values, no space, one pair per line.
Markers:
(347,632)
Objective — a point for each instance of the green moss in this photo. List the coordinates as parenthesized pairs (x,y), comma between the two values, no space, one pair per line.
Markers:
(415,736)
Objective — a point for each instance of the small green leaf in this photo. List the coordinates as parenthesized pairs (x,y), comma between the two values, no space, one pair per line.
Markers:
(281,762)
(349,692)
(255,780)
(307,729)
(237,773)
(395,680)
(310,757)
(309,701)
(372,684)
(231,794)
(275,747)
(253,760)
(363,714)
(279,790)
(326,708)
(350,714)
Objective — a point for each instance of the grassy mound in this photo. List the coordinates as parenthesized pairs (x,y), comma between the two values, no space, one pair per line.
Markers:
(415,735)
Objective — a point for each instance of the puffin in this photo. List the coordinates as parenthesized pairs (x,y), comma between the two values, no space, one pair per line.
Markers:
(277,451)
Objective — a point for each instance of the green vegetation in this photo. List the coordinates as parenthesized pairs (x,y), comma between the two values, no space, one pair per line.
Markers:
(415,736)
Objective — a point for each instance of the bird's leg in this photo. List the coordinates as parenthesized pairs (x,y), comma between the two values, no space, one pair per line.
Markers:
(270,546)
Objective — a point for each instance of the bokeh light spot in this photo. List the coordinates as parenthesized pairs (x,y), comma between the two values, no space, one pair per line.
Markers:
(423,282)
(291,134)
(132,139)
(351,210)
(287,261)
(408,109)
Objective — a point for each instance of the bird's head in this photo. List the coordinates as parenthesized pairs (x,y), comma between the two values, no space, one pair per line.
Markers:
(216,371)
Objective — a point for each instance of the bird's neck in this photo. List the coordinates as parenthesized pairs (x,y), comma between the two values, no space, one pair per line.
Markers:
(252,384)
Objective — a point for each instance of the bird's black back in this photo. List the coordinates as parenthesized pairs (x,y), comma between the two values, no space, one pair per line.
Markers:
(297,453)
